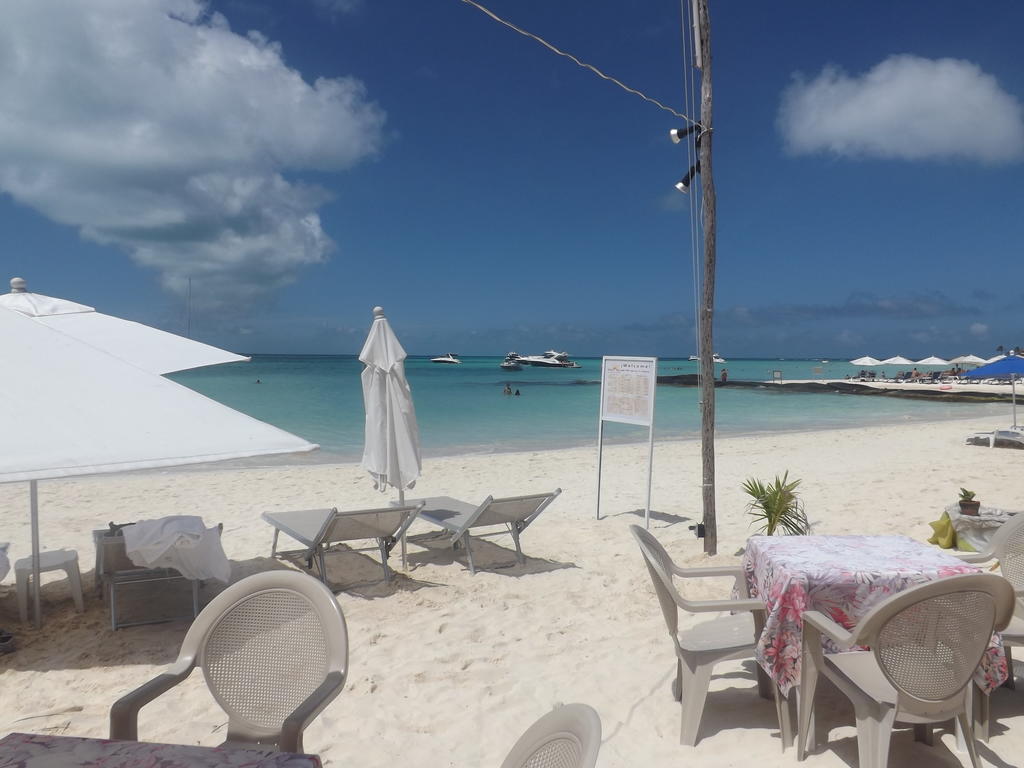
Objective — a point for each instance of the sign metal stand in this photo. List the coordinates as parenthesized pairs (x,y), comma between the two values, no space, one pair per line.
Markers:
(627,397)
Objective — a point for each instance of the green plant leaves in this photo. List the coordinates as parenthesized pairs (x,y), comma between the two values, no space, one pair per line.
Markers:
(776,506)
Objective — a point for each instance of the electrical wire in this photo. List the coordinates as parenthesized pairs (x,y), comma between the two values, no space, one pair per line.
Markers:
(582,64)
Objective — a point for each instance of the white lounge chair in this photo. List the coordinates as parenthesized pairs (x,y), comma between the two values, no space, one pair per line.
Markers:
(699,649)
(566,737)
(924,646)
(320,529)
(513,513)
(274,651)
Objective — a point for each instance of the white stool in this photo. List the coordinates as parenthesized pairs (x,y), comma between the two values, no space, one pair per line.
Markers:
(59,560)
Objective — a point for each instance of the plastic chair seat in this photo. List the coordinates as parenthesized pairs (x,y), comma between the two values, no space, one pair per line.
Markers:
(727,634)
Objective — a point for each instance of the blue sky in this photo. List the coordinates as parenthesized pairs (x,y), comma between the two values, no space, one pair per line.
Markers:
(303,162)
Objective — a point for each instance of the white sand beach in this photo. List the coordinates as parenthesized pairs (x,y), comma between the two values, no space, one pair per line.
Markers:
(447,669)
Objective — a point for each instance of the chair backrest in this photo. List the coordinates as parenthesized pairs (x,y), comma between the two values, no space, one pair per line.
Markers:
(514,509)
(1008,548)
(659,565)
(265,644)
(566,737)
(929,639)
(368,524)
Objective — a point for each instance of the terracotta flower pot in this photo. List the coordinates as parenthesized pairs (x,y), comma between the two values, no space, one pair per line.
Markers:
(969,507)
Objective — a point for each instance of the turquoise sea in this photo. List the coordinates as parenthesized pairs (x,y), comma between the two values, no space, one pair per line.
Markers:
(461,408)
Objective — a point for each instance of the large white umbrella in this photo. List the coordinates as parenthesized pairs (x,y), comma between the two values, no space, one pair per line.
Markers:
(391,451)
(145,347)
(933,360)
(969,360)
(866,361)
(70,409)
(897,360)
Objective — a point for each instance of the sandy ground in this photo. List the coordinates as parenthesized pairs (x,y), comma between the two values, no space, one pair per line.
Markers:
(446,669)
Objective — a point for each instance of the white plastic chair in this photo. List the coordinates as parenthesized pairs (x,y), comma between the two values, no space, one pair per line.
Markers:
(699,649)
(924,646)
(274,650)
(566,737)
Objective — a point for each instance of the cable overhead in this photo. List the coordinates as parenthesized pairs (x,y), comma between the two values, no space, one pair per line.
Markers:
(582,64)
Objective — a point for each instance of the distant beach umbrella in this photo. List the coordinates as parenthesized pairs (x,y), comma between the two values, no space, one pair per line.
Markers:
(897,360)
(866,361)
(148,348)
(968,360)
(69,409)
(1010,367)
(391,449)
(993,359)
(933,360)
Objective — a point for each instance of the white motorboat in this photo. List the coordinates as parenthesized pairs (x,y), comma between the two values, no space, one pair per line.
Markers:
(715,358)
(451,358)
(511,362)
(550,359)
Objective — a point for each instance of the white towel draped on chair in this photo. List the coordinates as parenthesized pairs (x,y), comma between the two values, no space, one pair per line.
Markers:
(181,542)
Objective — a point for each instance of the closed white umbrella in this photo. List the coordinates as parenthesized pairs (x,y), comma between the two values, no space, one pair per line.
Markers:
(897,360)
(933,360)
(69,409)
(866,361)
(148,348)
(391,450)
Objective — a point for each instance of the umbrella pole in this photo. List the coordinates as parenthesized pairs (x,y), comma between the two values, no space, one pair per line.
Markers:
(1013,395)
(33,494)
(401,503)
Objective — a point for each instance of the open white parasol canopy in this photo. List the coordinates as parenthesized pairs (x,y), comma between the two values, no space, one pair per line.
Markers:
(866,361)
(933,360)
(897,360)
(968,360)
(391,451)
(70,409)
(148,348)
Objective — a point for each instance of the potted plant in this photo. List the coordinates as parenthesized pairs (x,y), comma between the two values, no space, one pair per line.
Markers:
(776,506)
(968,504)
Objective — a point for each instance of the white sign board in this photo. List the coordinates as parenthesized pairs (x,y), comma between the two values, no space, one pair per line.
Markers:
(627,396)
(627,389)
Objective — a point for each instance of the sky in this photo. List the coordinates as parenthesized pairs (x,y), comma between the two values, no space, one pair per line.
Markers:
(268,172)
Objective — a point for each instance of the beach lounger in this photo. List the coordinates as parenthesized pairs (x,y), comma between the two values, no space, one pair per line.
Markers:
(513,513)
(273,648)
(319,530)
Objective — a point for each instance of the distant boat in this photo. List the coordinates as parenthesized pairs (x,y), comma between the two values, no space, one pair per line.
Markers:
(715,358)
(451,358)
(511,362)
(550,359)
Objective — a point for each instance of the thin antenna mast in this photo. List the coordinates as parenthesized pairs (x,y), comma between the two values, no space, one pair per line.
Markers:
(702,50)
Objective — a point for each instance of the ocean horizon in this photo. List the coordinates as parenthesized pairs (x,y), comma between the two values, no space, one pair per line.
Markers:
(461,409)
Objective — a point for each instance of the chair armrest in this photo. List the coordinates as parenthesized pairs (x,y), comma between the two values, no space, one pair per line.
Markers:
(974,557)
(708,570)
(296,722)
(124,713)
(842,637)
(717,606)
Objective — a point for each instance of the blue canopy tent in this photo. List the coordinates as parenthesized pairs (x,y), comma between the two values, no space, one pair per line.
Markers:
(1010,367)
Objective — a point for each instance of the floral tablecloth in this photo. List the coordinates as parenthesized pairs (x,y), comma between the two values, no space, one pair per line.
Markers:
(25,750)
(844,577)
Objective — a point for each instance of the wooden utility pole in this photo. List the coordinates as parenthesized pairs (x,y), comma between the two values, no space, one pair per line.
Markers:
(707,303)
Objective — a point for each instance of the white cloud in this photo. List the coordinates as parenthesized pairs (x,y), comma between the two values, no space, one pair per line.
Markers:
(905,107)
(978,329)
(151,126)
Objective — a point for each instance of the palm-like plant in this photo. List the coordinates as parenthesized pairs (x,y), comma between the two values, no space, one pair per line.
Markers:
(776,506)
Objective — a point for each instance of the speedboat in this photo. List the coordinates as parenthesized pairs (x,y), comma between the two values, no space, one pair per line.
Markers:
(451,358)
(550,359)
(511,362)
(715,358)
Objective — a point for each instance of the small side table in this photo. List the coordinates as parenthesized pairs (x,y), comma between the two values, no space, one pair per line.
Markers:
(58,560)
(977,530)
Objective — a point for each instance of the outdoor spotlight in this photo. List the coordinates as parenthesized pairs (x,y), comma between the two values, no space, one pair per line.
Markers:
(684,184)
(678,134)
